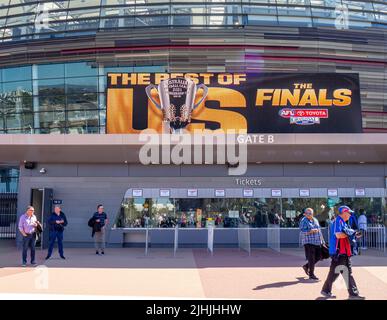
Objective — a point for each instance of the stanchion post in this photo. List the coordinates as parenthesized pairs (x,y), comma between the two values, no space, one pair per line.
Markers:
(146,241)
(176,241)
(210,240)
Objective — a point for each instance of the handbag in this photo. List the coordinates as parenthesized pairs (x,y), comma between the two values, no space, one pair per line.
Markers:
(324,252)
(324,249)
(39,227)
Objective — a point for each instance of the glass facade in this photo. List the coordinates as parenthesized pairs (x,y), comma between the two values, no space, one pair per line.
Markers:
(22,19)
(234,212)
(9,179)
(55,98)
(71,98)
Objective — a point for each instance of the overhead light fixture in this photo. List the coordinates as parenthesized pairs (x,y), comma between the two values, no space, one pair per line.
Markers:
(232,165)
(29,165)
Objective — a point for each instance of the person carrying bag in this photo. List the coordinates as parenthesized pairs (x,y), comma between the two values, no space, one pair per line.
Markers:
(312,240)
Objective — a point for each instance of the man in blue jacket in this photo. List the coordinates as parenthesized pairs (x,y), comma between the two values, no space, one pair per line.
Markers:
(56,222)
(340,252)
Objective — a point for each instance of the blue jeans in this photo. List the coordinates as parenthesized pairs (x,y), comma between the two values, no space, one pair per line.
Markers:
(29,242)
(53,236)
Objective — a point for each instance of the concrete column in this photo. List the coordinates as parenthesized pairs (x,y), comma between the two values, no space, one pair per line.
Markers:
(35,99)
(101,96)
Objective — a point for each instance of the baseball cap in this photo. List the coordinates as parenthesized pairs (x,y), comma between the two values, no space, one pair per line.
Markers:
(345,208)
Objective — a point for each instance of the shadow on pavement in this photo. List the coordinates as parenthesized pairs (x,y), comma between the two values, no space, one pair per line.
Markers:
(284,283)
(325,298)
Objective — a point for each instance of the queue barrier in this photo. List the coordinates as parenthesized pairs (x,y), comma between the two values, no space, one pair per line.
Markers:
(373,238)
(244,239)
(274,237)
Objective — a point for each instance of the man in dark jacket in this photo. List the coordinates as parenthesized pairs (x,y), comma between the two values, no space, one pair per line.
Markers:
(99,221)
(56,222)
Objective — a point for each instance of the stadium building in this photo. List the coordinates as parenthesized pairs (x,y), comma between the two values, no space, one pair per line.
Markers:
(80,80)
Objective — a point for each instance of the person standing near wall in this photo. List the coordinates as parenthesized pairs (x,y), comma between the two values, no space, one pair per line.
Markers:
(56,222)
(101,221)
(28,224)
(362,223)
(311,239)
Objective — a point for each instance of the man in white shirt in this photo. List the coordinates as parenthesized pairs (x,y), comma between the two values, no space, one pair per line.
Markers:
(27,227)
(362,222)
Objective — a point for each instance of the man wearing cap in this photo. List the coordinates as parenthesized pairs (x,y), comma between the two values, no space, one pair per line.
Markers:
(311,239)
(340,251)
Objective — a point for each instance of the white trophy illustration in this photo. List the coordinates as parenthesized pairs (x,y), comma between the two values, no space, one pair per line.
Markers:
(177,101)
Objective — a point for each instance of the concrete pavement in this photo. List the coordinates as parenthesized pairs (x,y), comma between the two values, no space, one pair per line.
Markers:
(192,274)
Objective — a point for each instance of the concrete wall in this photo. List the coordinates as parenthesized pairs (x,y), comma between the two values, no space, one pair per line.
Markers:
(83,186)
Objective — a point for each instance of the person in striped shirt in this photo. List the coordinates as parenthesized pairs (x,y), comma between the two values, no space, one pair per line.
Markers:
(311,239)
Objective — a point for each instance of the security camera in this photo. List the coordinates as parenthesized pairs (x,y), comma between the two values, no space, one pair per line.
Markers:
(43,171)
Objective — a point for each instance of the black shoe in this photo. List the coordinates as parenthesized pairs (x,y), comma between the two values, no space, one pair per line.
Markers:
(356,297)
(326,294)
(97,252)
(313,277)
(102,252)
(63,257)
(48,257)
(306,269)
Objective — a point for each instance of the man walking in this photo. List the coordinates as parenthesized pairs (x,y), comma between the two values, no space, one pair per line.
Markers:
(340,251)
(311,239)
(27,227)
(56,222)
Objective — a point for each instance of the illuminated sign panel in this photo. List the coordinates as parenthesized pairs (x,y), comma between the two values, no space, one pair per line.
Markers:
(258,103)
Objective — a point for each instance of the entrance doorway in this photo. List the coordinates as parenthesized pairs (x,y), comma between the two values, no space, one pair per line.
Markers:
(41,200)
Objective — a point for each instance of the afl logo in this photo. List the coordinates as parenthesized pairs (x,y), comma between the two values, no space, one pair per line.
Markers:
(286,113)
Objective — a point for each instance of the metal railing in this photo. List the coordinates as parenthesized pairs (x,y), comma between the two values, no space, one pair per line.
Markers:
(373,238)
(8,215)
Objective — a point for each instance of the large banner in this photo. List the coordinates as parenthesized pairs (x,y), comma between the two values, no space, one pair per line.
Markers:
(258,103)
